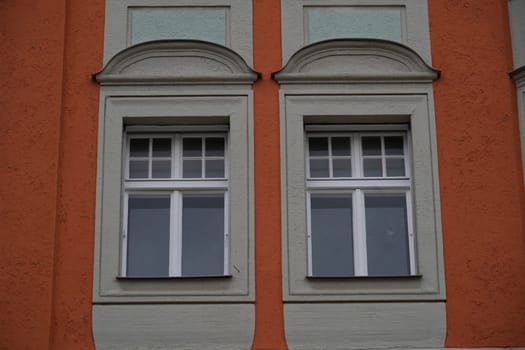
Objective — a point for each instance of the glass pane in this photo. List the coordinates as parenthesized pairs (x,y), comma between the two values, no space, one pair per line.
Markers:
(372,167)
(342,167)
(161,169)
(332,236)
(139,147)
(161,147)
(394,145)
(318,146)
(387,235)
(192,147)
(215,147)
(340,146)
(215,168)
(148,236)
(203,235)
(138,169)
(319,168)
(395,167)
(192,168)
(371,145)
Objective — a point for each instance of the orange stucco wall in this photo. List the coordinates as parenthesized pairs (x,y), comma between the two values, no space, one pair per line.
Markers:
(48,138)
(479,172)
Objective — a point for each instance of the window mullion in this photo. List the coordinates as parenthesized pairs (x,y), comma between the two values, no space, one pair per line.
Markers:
(309,231)
(356,156)
(124,237)
(175,268)
(410,228)
(360,253)
(226,234)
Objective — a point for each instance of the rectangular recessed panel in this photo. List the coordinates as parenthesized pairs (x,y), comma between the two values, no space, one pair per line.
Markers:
(203,235)
(156,23)
(148,236)
(333,22)
(331,235)
(387,234)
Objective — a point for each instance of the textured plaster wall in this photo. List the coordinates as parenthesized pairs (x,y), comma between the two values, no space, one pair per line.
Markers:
(32,36)
(48,139)
(71,318)
(480,173)
(269,319)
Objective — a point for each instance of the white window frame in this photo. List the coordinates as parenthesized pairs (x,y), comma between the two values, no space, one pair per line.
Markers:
(175,187)
(357,186)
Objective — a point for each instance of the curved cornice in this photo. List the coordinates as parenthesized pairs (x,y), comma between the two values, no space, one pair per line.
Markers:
(355,60)
(518,75)
(164,62)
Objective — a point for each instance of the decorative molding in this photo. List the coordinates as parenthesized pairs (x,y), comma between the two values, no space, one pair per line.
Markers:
(518,75)
(356,60)
(174,62)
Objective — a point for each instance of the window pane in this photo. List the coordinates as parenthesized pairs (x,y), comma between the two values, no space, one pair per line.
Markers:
(215,168)
(203,235)
(340,146)
(161,169)
(192,147)
(331,236)
(372,167)
(371,145)
(319,168)
(342,167)
(394,145)
(395,167)
(192,168)
(139,147)
(148,236)
(215,147)
(138,169)
(161,147)
(318,146)
(387,235)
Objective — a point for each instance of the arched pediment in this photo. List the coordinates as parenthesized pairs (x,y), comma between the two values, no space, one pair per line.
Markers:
(355,60)
(176,62)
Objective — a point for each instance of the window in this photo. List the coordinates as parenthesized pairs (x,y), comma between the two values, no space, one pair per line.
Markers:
(358,205)
(172,182)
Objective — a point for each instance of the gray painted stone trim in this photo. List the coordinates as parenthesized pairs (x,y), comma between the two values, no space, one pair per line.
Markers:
(156,327)
(365,326)
(239,26)
(517,29)
(176,62)
(416,26)
(519,75)
(355,60)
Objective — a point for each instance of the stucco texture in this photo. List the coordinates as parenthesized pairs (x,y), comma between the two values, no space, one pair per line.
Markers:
(48,141)
(480,173)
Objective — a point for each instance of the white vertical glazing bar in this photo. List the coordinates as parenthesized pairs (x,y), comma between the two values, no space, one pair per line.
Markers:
(360,255)
(226,235)
(309,231)
(176,234)
(124,236)
(411,237)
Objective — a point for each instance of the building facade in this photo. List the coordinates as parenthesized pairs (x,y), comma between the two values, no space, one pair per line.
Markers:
(235,174)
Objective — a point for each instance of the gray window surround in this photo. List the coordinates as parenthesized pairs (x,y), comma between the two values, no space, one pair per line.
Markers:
(238,18)
(415,27)
(130,95)
(373,83)
(170,86)
(333,82)
(517,28)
